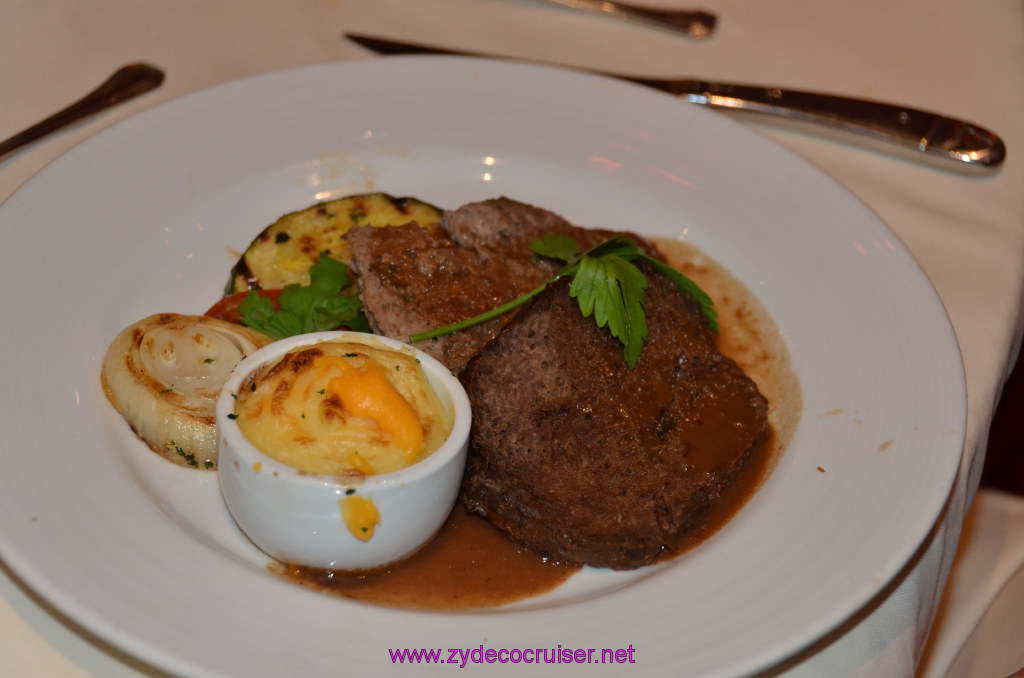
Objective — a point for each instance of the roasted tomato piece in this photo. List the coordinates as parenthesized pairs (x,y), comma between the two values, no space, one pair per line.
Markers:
(227,308)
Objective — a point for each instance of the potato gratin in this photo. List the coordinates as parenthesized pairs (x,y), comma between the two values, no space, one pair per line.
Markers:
(342,408)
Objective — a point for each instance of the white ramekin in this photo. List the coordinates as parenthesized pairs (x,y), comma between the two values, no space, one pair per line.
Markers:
(294,516)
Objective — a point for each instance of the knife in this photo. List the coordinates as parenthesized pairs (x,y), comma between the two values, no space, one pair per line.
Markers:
(920,135)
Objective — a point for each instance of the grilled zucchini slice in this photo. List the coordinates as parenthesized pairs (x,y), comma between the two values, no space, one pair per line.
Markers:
(283,253)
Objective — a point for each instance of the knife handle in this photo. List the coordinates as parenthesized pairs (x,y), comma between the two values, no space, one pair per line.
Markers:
(922,133)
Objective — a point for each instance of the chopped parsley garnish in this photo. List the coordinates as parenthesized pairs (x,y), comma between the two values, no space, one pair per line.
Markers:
(319,306)
(605,283)
(189,457)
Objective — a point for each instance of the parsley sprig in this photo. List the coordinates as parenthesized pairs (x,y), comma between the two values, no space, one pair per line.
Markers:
(321,305)
(605,283)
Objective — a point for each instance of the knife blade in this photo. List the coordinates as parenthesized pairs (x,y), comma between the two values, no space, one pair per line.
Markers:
(694,24)
(917,134)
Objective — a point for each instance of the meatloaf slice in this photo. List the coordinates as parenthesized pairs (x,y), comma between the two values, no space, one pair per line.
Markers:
(502,225)
(413,280)
(581,459)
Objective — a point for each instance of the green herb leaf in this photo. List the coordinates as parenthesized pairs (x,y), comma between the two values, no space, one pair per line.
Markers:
(322,305)
(605,283)
(557,246)
(612,289)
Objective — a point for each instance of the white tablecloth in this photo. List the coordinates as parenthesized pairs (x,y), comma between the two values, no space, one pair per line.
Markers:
(964,59)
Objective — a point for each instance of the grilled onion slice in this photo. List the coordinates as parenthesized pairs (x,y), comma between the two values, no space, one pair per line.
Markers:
(164,373)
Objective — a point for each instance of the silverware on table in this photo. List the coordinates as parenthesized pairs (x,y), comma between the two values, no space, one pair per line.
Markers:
(917,134)
(694,24)
(126,83)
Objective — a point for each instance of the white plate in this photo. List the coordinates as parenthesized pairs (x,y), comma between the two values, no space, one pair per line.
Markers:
(149,215)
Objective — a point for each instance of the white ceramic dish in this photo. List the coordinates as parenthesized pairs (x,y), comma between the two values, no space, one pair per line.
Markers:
(294,515)
(149,216)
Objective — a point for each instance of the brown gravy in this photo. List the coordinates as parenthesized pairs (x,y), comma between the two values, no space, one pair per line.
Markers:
(471,565)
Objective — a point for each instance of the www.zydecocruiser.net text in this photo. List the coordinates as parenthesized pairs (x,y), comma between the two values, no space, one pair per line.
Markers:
(463,657)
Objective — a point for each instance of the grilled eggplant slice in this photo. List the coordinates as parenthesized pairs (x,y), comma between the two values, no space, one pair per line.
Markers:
(283,253)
